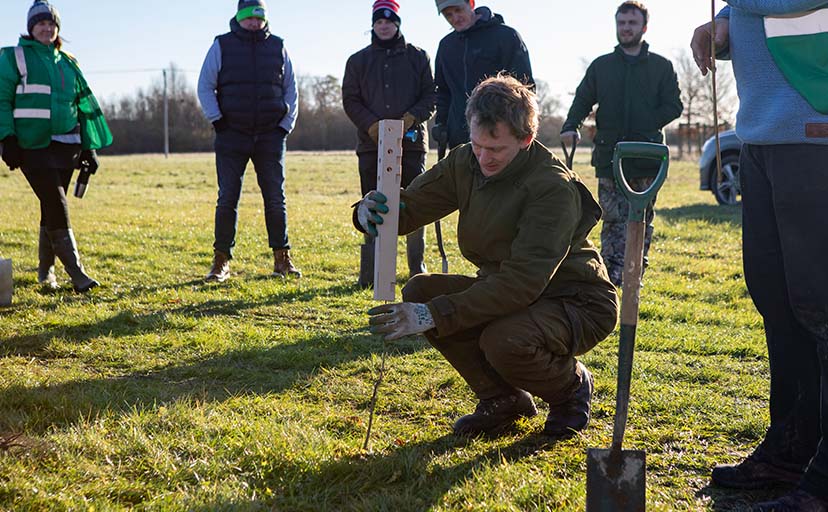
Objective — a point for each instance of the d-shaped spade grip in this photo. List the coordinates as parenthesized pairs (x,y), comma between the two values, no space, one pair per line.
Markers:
(639,200)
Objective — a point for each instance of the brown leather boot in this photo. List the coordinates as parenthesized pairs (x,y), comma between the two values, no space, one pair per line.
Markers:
(220,270)
(282,266)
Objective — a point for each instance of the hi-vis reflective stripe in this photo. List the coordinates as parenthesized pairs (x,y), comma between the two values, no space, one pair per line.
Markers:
(33,89)
(20,57)
(32,113)
(24,87)
(799,24)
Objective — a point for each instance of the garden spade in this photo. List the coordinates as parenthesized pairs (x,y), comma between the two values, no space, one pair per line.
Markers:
(616,477)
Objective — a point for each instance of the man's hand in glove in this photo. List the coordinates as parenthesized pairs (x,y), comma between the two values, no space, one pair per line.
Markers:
(12,152)
(399,320)
(88,161)
(373,132)
(408,121)
(370,210)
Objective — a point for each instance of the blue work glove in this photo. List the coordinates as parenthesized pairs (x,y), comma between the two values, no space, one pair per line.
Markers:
(370,210)
(399,320)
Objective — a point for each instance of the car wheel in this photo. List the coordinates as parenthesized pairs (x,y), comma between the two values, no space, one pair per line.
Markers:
(728,189)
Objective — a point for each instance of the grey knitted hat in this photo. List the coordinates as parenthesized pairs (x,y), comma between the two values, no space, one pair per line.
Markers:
(42,10)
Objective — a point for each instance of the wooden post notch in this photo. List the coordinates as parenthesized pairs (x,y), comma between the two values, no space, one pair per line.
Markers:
(389,180)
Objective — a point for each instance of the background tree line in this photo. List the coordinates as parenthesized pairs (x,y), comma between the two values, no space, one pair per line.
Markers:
(137,120)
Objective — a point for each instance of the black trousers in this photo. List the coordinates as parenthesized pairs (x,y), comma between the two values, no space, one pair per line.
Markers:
(785,204)
(413,164)
(49,172)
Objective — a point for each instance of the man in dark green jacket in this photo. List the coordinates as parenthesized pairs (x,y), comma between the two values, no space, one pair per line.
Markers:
(541,295)
(637,94)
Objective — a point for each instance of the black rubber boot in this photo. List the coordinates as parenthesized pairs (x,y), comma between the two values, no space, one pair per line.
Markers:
(46,265)
(414,249)
(496,415)
(366,263)
(63,243)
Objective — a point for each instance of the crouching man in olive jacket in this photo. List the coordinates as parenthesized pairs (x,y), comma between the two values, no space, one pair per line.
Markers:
(541,296)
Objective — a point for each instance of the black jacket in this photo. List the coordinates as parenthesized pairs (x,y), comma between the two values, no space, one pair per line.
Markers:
(465,58)
(385,84)
(636,99)
(250,86)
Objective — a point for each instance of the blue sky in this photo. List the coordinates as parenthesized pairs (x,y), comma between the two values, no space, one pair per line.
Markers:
(112,37)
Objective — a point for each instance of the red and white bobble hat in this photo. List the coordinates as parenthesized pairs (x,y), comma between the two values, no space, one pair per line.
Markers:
(387,10)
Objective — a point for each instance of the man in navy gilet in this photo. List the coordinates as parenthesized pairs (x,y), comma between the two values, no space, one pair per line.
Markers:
(247,89)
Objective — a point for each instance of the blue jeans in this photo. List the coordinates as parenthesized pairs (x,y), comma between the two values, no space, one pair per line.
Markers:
(233,151)
(784,191)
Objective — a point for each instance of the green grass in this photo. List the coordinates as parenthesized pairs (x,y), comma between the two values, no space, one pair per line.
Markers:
(160,392)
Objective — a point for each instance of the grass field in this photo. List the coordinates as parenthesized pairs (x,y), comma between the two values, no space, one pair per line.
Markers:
(160,392)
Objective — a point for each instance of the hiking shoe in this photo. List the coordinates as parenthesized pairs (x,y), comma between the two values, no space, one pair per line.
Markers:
(797,501)
(573,416)
(282,265)
(754,473)
(496,415)
(220,270)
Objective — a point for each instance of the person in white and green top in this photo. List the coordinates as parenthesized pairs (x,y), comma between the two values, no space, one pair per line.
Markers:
(50,124)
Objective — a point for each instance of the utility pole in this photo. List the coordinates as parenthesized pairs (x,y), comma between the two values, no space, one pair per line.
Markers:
(166,119)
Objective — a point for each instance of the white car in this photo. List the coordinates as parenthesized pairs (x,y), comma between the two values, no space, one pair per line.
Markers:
(728,189)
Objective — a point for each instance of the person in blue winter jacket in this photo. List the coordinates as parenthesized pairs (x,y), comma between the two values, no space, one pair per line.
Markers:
(778,53)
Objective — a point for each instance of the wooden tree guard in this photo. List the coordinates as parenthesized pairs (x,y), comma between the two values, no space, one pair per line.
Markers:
(389,179)
(6,283)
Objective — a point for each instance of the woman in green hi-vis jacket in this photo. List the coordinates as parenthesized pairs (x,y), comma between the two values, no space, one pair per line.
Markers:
(50,125)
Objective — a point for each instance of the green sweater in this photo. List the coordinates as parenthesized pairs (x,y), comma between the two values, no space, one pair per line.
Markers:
(636,98)
(51,99)
(525,229)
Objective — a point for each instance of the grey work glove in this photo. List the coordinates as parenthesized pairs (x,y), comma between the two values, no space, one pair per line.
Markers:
(370,210)
(400,320)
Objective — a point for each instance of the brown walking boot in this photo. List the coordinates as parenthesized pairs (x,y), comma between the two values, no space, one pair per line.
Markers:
(220,270)
(757,471)
(282,266)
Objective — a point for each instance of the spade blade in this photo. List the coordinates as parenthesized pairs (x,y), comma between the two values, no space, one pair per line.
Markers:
(616,480)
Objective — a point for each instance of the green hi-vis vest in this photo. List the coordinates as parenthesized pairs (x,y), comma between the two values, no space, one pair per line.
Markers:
(799,46)
(50,98)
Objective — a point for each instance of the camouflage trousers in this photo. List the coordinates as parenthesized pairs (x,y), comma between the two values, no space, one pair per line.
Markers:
(614,230)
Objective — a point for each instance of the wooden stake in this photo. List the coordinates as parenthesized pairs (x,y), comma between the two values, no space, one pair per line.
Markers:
(715,95)
(389,179)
